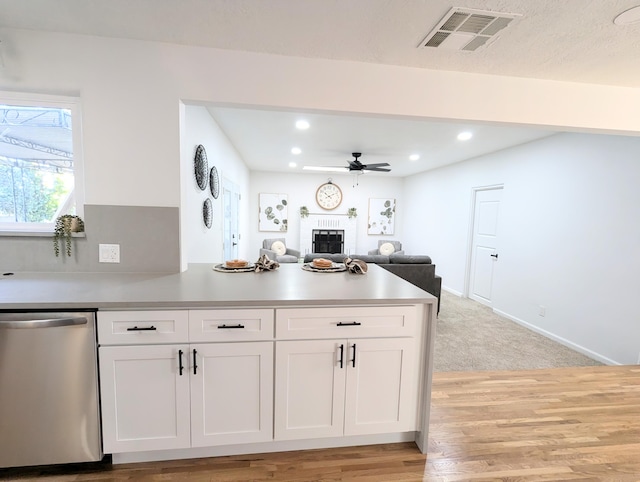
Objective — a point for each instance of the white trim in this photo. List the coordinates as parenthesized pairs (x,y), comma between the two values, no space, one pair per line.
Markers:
(263,447)
(453,292)
(559,339)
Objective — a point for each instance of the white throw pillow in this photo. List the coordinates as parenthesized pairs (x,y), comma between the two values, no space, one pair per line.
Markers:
(387,249)
(279,248)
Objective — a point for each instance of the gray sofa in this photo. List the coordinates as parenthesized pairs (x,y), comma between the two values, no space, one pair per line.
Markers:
(417,270)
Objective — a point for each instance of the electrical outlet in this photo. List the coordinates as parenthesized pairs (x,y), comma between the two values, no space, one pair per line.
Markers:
(542,311)
(109,253)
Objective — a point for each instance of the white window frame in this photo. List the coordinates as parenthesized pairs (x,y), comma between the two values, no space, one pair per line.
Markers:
(59,102)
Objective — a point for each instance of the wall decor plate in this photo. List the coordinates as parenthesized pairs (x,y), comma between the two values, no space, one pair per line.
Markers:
(214,183)
(207,213)
(201,167)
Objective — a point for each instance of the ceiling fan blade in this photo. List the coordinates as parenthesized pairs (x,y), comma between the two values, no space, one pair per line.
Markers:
(379,164)
(377,169)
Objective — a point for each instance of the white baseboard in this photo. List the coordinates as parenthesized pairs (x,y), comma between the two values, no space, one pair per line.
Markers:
(452,291)
(559,339)
(264,447)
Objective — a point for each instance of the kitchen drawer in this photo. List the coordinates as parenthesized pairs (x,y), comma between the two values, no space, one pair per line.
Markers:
(351,322)
(230,325)
(142,327)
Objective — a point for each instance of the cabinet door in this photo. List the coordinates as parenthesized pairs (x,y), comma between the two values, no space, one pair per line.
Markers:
(309,389)
(145,399)
(231,393)
(380,387)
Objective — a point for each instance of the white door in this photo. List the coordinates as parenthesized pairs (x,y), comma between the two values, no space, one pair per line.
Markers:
(144,397)
(231,393)
(309,389)
(380,395)
(231,235)
(484,253)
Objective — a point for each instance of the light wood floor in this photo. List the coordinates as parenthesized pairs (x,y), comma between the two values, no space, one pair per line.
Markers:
(580,424)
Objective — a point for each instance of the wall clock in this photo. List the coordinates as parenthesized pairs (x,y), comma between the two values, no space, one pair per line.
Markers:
(329,196)
(201,167)
(214,183)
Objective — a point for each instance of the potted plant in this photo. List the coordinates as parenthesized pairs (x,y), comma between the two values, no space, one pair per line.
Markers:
(352,213)
(304,211)
(64,227)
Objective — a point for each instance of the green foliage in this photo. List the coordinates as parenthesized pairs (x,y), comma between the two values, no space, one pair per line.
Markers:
(65,226)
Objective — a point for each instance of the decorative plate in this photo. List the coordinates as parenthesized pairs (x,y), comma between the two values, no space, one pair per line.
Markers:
(335,268)
(207,213)
(201,167)
(223,269)
(214,183)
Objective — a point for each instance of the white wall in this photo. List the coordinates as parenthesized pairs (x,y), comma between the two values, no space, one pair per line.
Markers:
(301,191)
(568,236)
(131,93)
(203,245)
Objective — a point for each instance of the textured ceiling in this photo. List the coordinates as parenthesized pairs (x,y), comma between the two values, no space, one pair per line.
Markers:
(573,40)
(567,40)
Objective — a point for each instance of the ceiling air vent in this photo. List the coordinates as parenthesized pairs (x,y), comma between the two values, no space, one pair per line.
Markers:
(467,29)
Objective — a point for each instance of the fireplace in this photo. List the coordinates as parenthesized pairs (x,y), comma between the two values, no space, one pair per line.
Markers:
(327,223)
(327,241)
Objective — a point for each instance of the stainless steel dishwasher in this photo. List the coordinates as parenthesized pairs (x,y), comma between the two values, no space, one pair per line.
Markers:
(48,388)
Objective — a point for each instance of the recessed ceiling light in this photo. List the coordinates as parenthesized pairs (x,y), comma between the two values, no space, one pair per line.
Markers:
(628,16)
(292,164)
(414,157)
(302,125)
(465,136)
(296,150)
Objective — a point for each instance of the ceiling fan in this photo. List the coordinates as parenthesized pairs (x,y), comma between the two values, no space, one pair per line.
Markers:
(354,166)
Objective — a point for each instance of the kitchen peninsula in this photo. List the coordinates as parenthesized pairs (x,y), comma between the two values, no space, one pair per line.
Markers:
(203,363)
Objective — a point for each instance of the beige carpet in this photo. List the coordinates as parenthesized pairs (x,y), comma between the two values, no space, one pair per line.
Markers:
(471,337)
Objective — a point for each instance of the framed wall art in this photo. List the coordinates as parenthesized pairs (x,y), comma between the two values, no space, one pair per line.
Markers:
(273,212)
(382,214)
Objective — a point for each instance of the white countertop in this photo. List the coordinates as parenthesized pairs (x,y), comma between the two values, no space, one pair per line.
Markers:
(200,286)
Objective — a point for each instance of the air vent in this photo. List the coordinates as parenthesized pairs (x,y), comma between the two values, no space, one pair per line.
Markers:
(467,29)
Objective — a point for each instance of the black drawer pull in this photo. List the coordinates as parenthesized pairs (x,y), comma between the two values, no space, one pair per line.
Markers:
(180,365)
(220,327)
(195,363)
(149,328)
(349,323)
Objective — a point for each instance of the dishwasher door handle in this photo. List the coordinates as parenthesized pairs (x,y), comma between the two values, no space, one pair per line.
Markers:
(44,323)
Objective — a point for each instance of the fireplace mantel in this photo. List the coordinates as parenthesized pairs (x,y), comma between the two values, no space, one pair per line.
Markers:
(327,221)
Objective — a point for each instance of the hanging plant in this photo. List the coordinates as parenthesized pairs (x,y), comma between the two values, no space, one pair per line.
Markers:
(64,227)
(304,211)
(352,213)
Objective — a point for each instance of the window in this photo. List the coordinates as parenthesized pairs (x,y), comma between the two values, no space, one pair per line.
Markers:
(39,162)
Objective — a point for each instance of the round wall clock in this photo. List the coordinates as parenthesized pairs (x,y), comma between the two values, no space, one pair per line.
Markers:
(328,196)
(201,167)
(214,183)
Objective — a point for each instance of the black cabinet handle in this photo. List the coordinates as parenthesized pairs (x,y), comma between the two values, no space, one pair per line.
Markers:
(195,365)
(349,323)
(180,365)
(342,355)
(220,327)
(494,255)
(353,361)
(148,328)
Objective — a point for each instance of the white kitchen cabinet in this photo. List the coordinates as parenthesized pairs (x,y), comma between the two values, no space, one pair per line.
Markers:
(231,393)
(339,387)
(145,398)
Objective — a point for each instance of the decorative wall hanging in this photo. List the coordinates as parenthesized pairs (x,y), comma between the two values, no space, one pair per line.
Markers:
(207,213)
(201,167)
(273,212)
(214,183)
(382,213)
